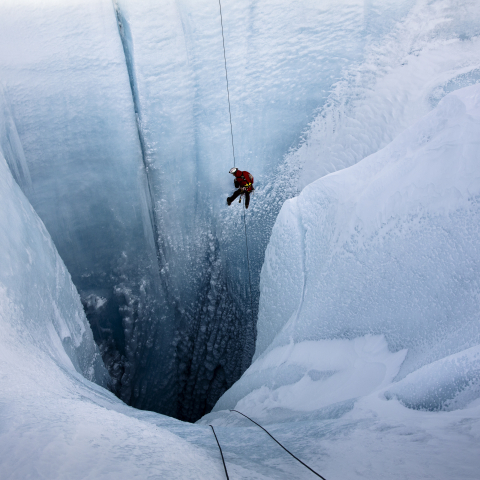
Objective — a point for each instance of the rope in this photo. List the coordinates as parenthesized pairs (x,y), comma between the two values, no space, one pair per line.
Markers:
(304,464)
(221,453)
(248,258)
(226,78)
(233,151)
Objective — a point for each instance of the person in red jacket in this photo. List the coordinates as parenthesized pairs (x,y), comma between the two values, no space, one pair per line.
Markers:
(244,182)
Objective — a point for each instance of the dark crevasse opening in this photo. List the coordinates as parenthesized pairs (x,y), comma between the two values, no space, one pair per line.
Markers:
(128,148)
(211,300)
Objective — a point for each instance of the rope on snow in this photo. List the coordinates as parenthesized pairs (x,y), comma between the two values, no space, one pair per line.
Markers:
(288,451)
(221,453)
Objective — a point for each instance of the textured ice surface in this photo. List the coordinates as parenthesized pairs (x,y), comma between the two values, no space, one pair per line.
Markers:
(388,246)
(54,422)
(118,141)
(39,306)
(67,96)
(122,116)
(414,54)
(282,59)
(367,359)
(447,384)
(310,375)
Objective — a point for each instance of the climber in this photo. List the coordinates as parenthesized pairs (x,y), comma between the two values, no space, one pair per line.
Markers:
(244,182)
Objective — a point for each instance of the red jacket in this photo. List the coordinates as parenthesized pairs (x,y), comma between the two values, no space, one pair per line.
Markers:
(243,180)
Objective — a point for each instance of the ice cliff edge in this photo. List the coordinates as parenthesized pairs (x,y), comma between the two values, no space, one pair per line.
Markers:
(40,309)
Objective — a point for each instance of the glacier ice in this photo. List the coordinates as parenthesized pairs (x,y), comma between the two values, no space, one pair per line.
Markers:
(430,50)
(386,247)
(367,354)
(39,307)
(54,422)
(118,118)
(120,111)
(66,84)
(109,101)
(113,122)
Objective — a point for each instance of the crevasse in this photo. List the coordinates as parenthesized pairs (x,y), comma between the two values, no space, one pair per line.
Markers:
(126,141)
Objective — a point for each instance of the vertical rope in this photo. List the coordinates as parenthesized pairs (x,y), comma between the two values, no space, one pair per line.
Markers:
(221,453)
(226,78)
(248,258)
(233,151)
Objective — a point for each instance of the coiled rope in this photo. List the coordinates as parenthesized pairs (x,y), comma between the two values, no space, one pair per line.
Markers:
(288,451)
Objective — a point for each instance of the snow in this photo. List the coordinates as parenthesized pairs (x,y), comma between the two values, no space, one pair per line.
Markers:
(315,374)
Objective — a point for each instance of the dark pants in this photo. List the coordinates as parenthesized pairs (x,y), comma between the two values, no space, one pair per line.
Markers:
(237,193)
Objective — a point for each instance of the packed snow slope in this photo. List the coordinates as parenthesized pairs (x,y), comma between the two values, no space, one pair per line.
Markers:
(369,334)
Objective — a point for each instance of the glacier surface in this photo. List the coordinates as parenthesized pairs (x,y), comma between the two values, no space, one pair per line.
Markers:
(386,247)
(56,420)
(114,125)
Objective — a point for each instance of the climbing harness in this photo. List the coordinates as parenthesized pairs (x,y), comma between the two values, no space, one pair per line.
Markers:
(258,425)
(221,453)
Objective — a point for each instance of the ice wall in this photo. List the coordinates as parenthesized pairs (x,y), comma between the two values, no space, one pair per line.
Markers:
(67,94)
(183,118)
(54,422)
(388,247)
(414,54)
(39,305)
(118,116)
(122,116)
